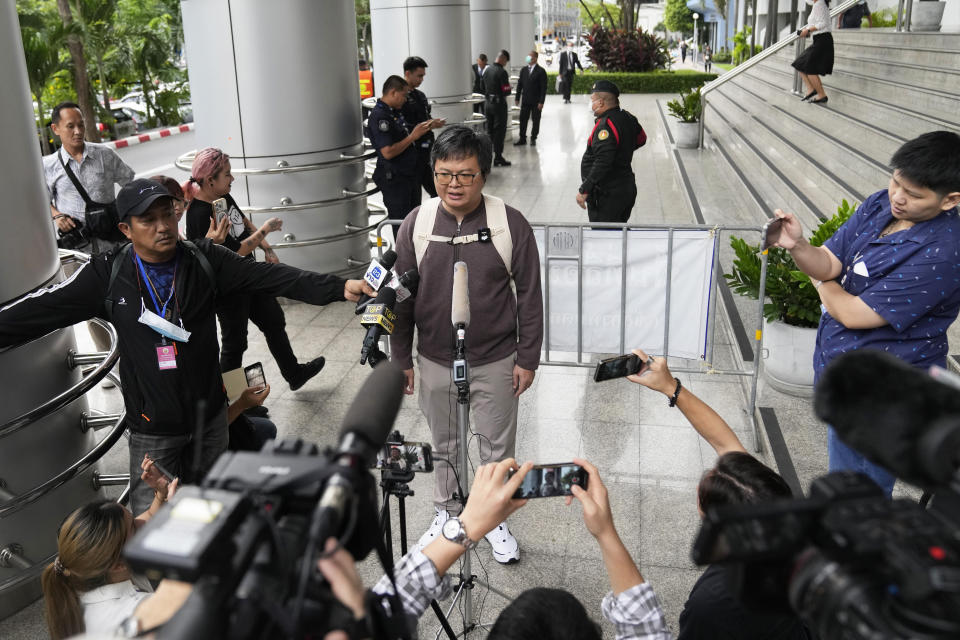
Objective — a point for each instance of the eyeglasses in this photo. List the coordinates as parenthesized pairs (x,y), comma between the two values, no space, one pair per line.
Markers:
(464,179)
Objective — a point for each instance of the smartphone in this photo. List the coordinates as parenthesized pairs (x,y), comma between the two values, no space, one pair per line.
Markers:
(548,480)
(405,456)
(618,367)
(771,231)
(254,375)
(220,208)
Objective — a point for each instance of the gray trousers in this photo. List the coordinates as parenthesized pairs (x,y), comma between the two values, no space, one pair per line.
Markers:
(492,417)
(174,453)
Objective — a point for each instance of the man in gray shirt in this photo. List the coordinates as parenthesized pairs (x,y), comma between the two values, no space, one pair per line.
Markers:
(98,168)
(506,309)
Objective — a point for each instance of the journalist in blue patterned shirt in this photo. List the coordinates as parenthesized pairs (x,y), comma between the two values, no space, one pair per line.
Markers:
(631,605)
(889,278)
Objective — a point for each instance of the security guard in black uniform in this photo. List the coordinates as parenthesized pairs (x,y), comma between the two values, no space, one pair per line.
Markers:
(416,110)
(609,187)
(397,169)
(496,85)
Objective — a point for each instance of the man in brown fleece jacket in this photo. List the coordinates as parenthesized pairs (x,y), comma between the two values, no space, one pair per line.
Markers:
(506,330)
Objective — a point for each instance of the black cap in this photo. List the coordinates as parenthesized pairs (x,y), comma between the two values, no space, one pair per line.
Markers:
(137,195)
(606,86)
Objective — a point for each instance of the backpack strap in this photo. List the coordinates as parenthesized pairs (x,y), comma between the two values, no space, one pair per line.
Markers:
(114,271)
(204,263)
(423,228)
(73,178)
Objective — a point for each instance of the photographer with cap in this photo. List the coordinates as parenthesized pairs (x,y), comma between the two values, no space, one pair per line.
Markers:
(160,294)
(609,188)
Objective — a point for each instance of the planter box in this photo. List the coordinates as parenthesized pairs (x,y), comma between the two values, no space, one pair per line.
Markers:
(926,16)
(788,358)
(688,135)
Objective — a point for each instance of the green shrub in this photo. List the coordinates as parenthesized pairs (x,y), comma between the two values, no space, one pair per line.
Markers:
(688,107)
(621,50)
(633,82)
(884,18)
(793,298)
(722,56)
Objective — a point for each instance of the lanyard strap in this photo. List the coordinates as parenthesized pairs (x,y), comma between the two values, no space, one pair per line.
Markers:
(161,311)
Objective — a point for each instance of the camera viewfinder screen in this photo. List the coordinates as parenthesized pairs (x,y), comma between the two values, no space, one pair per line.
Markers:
(545,481)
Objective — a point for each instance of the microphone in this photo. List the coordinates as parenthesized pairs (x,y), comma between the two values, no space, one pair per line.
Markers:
(405,284)
(460,314)
(378,273)
(894,414)
(378,318)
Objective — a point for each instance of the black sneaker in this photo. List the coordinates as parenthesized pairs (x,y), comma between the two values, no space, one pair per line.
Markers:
(501,162)
(305,372)
(520,142)
(533,142)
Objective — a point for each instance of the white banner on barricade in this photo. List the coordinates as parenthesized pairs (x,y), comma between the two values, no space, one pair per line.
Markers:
(644,306)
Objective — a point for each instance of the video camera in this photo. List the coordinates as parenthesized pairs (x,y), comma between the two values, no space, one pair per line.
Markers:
(248,537)
(848,561)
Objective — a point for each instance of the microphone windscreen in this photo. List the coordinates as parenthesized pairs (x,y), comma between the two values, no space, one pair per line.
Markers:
(389,259)
(375,407)
(881,406)
(386,296)
(461,298)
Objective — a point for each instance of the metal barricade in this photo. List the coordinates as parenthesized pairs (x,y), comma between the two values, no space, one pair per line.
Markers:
(589,359)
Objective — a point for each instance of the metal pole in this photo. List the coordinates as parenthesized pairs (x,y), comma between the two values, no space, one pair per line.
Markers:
(462,410)
(666,301)
(757,348)
(712,305)
(623,290)
(580,297)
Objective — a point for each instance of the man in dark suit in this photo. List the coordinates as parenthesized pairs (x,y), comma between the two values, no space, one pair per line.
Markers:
(478,70)
(568,63)
(531,94)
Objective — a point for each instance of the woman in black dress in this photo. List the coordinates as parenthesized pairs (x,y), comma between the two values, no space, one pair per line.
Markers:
(816,60)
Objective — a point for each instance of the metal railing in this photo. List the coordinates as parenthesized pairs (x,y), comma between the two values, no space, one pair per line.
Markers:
(185,162)
(904,15)
(757,59)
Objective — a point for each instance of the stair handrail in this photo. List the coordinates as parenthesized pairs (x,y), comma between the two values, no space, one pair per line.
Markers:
(755,60)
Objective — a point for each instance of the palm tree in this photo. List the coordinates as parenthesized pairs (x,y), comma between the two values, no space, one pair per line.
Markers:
(81,81)
(41,48)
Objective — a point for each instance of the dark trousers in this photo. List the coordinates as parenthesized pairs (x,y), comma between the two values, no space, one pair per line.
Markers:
(567,84)
(400,193)
(264,311)
(497,123)
(527,110)
(426,175)
(611,205)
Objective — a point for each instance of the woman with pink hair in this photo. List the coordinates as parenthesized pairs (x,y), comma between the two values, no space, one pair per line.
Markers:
(210,181)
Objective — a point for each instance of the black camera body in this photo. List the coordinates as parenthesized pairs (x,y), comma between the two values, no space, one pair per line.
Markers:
(849,561)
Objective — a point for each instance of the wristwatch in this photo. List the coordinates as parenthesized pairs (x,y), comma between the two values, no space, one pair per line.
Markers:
(453,531)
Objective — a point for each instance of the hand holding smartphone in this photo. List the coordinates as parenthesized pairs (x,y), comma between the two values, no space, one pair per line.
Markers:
(255,377)
(550,480)
(771,233)
(619,367)
(220,209)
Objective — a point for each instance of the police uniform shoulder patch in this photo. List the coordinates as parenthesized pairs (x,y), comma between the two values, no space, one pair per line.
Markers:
(384,126)
(603,135)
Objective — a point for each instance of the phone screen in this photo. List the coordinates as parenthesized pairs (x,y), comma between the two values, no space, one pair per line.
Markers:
(618,367)
(406,456)
(254,375)
(548,480)
(220,208)
(771,232)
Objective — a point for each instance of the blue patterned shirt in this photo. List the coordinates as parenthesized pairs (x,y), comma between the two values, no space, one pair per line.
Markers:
(910,278)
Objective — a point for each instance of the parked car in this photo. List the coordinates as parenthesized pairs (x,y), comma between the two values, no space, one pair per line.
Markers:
(126,124)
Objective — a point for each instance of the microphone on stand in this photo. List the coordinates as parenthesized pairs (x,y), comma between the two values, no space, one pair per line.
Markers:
(378,318)
(460,316)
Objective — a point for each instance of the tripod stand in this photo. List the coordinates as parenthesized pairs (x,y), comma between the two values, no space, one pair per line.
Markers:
(395,483)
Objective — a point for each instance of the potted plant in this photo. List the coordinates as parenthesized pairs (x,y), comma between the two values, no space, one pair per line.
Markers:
(687,112)
(926,15)
(792,310)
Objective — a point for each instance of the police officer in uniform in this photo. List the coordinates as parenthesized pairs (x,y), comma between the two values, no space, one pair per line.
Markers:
(416,110)
(496,86)
(397,173)
(609,188)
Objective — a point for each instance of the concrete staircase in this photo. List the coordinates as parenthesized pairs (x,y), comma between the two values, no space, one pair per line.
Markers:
(886,88)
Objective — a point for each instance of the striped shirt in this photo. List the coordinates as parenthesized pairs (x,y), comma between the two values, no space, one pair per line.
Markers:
(100,168)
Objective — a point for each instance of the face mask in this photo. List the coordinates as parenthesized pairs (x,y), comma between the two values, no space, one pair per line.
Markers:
(164,327)
(529,59)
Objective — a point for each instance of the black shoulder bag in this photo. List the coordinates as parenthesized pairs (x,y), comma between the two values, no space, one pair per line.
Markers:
(100,220)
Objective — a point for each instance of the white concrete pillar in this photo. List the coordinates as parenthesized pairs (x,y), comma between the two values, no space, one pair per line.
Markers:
(490,29)
(275,86)
(439,32)
(522,31)
(37,371)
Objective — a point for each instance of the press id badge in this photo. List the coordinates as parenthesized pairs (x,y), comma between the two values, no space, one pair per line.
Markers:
(166,356)
(164,327)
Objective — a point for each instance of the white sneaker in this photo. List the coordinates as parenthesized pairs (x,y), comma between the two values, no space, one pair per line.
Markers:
(506,550)
(434,531)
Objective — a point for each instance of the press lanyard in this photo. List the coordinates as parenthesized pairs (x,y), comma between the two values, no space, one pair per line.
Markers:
(161,311)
